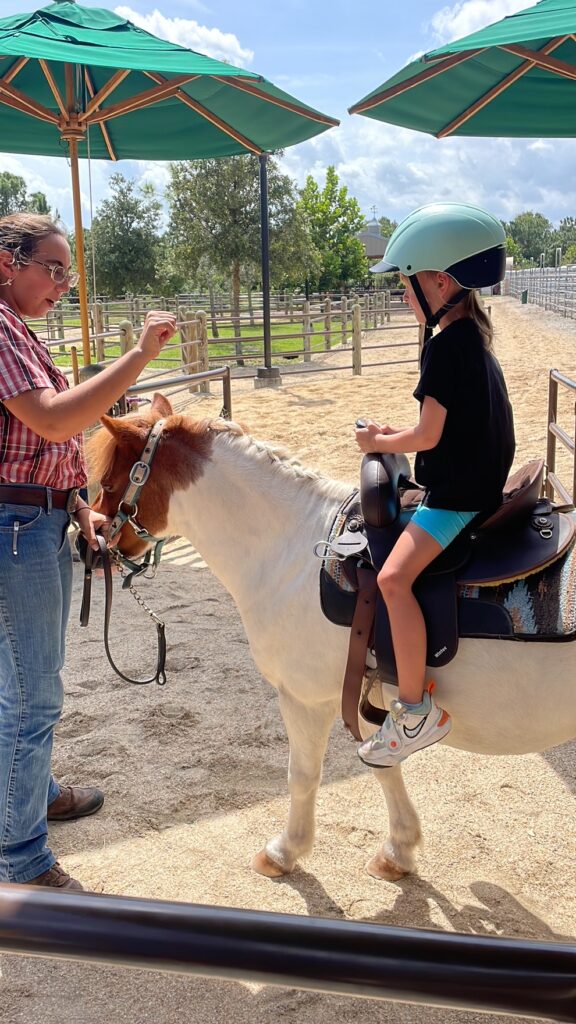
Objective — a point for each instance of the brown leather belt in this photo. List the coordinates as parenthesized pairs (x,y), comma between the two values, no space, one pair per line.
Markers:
(46,497)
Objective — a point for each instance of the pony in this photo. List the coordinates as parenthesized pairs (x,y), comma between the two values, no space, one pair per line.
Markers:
(254,513)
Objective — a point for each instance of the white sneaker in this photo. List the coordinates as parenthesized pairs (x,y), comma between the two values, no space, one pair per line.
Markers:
(403,733)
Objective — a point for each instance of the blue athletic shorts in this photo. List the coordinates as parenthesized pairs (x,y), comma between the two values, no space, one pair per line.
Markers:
(442,523)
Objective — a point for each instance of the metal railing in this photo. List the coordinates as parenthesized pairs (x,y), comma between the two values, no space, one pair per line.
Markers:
(511,976)
(186,380)
(556,433)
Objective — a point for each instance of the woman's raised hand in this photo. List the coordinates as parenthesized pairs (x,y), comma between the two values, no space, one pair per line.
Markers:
(159,327)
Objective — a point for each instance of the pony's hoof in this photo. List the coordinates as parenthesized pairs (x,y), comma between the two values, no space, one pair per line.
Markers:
(384,869)
(264,865)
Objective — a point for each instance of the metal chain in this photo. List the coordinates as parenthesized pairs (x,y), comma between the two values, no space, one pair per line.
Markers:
(139,600)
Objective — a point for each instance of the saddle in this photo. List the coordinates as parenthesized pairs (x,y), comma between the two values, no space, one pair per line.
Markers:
(460,593)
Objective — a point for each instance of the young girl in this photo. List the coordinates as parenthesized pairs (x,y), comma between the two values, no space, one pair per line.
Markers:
(41,471)
(464,439)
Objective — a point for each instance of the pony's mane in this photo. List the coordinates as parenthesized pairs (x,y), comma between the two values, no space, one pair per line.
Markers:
(282,460)
(102,446)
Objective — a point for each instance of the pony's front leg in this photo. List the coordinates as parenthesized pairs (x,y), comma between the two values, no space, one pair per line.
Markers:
(308,728)
(396,857)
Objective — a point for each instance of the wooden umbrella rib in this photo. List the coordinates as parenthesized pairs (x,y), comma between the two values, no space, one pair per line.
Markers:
(219,123)
(138,101)
(411,83)
(557,67)
(15,69)
(97,98)
(244,86)
(496,91)
(25,103)
(212,118)
(53,86)
(103,128)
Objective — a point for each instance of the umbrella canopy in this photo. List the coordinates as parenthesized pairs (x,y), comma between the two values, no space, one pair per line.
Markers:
(516,78)
(76,81)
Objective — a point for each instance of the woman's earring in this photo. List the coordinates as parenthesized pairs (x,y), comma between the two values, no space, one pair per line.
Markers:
(4,284)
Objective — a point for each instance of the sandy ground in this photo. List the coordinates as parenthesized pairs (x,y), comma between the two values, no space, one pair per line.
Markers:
(194,773)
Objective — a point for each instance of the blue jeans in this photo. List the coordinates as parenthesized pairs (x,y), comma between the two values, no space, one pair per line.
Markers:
(35,594)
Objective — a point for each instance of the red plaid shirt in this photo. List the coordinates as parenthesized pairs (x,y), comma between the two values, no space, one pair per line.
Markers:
(25,457)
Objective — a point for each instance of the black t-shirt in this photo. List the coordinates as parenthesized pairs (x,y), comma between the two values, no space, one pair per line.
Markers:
(467,469)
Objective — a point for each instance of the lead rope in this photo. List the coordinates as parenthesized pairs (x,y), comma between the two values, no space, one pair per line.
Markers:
(104,554)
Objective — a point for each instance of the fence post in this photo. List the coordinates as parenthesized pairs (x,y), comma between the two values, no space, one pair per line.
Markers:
(126,331)
(189,337)
(98,322)
(356,340)
(327,324)
(344,319)
(291,307)
(387,304)
(306,330)
(203,349)
(551,441)
(366,310)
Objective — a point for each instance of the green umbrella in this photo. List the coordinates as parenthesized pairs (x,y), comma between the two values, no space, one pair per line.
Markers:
(78,81)
(516,78)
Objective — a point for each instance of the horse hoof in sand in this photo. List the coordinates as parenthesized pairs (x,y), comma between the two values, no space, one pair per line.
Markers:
(262,864)
(385,870)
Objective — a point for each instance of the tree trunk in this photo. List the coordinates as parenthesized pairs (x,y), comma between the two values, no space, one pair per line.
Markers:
(236,311)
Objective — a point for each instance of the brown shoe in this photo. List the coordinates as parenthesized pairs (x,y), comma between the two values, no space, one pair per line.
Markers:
(56,878)
(75,802)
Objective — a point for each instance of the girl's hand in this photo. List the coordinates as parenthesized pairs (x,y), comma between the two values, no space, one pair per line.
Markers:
(91,522)
(159,327)
(365,435)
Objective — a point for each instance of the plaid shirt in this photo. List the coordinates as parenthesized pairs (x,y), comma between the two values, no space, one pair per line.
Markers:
(25,457)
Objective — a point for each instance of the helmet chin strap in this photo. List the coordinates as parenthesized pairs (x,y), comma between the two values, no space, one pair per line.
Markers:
(433,319)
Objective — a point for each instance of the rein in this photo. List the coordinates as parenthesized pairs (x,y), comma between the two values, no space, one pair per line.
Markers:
(126,513)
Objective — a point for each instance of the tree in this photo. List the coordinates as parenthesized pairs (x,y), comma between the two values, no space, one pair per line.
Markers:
(126,238)
(514,250)
(387,226)
(565,236)
(533,233)
(335,220)
(215,215)
(13,196)
(570,254)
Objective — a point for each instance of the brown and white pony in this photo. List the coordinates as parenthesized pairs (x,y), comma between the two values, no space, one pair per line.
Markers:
(254,514)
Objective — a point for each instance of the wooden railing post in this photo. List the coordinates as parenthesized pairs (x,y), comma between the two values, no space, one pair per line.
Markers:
(306,330)
(98,322)
(327,324)
(387,304)
(204,364)
(551,442)
(356,340)
(126,330)
(344,318)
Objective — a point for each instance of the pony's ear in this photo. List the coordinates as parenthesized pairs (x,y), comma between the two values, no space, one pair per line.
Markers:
(161,405)
(121,429)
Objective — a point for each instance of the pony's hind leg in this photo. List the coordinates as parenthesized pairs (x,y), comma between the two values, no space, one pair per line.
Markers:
(308,728)
(396,857)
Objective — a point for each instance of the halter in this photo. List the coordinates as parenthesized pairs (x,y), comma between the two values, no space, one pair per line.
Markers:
(137,478)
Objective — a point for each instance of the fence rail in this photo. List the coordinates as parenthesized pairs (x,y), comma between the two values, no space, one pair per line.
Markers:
(555,433)
(553,288)
(535,979)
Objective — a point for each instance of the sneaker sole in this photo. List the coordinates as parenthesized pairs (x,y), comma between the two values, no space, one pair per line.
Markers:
(410,753)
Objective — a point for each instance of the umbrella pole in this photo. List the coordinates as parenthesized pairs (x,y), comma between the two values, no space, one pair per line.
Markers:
(79,237)
(267,375)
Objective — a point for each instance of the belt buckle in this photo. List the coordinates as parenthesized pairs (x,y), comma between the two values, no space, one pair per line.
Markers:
(71,500)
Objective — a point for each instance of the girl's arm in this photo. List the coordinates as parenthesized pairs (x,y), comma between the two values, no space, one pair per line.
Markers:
(420,438)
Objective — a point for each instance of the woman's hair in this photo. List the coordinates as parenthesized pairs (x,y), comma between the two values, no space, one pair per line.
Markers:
(22,233)
(474,309)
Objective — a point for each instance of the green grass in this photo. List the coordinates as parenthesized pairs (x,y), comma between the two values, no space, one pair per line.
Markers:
(226,349)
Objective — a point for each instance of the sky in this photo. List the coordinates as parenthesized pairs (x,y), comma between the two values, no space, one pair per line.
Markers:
(329,54)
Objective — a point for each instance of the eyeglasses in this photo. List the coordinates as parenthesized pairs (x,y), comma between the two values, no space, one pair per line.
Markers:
(57,272)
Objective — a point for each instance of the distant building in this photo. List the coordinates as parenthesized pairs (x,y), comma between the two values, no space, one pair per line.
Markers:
(373,241)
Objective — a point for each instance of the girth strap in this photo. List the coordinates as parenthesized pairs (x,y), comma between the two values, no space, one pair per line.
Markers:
(362,624)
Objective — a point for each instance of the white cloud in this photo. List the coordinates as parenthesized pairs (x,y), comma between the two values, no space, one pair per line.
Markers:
(211,41)
(470,15)
(397,170)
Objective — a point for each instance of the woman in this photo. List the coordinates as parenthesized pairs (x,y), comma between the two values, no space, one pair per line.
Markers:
(41,470)
(464,439)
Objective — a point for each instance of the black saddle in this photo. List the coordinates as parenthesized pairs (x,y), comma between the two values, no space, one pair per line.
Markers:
(523,536)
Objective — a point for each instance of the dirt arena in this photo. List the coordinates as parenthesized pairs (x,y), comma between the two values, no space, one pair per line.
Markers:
(195,773)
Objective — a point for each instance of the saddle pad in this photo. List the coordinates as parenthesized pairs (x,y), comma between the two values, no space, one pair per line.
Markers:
(541,606)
